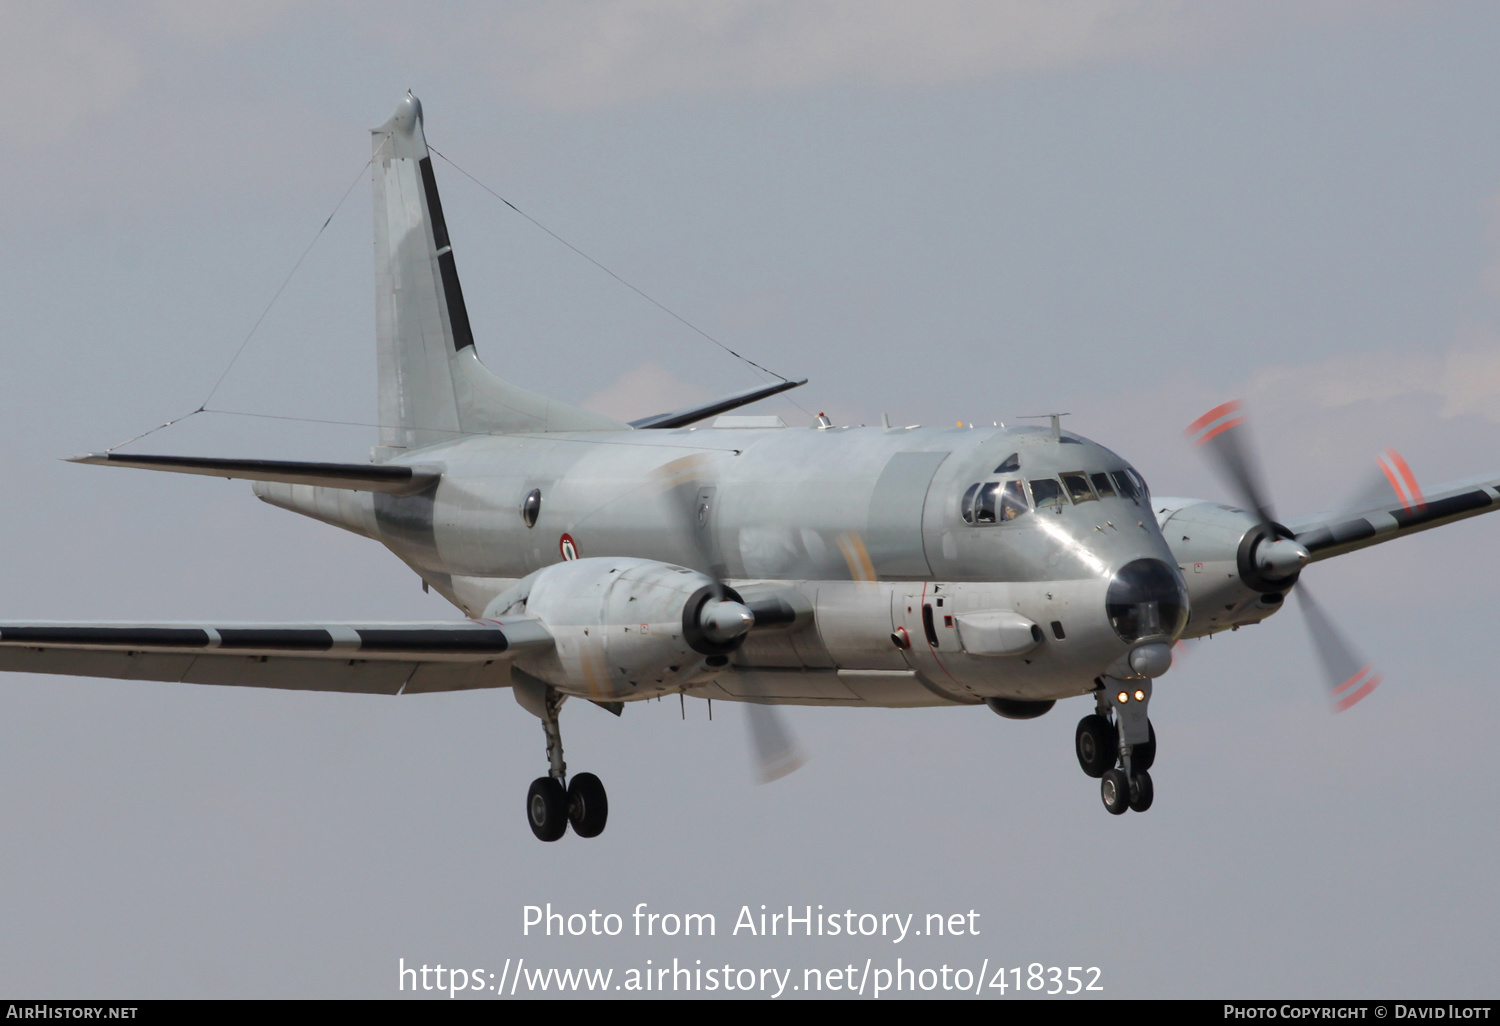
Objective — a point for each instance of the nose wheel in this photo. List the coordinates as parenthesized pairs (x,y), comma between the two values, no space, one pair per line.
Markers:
(1116,745)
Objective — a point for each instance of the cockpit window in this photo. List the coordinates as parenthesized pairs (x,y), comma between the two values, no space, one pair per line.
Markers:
(968,503)
(1012,501)
(1011,465)
(1126,484)
(1102,485)
(1078,487)
(994,502)
(1145,488)
(984,508)
(1047,492)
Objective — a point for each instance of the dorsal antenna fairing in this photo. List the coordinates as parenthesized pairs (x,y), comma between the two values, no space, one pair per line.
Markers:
(1056,421)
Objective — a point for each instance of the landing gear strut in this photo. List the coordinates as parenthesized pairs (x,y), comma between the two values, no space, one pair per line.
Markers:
(1116,745)
(552,803)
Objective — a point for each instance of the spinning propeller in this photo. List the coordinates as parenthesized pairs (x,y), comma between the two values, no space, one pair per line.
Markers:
(1272,558)
(717,619)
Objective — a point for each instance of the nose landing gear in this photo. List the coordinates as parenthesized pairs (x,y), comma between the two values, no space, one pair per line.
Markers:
(1116,745)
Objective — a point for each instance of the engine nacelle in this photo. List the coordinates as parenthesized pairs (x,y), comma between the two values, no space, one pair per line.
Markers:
(1237,569)
(625,628)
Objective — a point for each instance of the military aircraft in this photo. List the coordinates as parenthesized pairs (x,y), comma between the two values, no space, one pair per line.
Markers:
(744,560)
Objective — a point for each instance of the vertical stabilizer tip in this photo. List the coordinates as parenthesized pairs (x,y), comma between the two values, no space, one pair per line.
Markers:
(408,115)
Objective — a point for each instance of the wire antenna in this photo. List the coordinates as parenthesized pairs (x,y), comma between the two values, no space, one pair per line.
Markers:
(660,306)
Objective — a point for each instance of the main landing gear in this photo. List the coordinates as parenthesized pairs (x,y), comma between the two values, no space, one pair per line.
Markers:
(553,803)
(1116,745)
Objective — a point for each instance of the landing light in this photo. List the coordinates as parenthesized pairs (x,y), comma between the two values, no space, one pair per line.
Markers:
(1140,696)
(1123,697)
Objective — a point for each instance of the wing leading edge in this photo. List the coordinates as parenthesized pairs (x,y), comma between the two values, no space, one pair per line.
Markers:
(1328,535)
(364,658)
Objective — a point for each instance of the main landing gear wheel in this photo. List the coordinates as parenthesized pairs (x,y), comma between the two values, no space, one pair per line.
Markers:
(1096,744)
(1114,790)
(588,807)
(547,809)
(1141,792)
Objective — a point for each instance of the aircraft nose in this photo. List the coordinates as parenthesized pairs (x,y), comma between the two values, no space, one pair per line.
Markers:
(1147,601)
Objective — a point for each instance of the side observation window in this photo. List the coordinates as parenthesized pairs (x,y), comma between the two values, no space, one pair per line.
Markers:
(1078,487)
(1013,501)
(1102,485)
(1126,484)
(1047,492)
(968,503)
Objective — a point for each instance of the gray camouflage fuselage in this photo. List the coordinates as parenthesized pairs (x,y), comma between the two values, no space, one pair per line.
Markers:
(864,522)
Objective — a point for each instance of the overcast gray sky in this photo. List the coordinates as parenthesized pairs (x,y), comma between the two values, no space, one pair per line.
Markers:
(944,211)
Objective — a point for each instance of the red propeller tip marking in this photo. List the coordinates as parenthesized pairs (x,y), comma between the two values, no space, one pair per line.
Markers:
(1353,680)
(1222,410)
(1236,422)
(1371,682)
(1215,422)
(1403,481)
(1344,703)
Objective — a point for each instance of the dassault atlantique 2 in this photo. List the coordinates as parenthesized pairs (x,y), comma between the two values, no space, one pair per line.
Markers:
(739,559)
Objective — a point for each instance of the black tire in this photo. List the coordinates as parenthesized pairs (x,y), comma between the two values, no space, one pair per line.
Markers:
(1143,757)
(1114,791)
(547,809)
(1096,744)
(588,806)
(1141,792)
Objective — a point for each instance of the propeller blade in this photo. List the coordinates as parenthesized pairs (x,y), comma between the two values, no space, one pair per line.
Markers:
(772,743)
(1390,477)
(1350,677)
(776,750)
(1222,435)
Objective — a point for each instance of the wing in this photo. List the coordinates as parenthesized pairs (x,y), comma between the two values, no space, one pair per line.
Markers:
(1333,534)
(365,658)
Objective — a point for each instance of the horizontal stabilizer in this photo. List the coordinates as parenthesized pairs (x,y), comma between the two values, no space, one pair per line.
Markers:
(370,658)
(392,479)
(693,414)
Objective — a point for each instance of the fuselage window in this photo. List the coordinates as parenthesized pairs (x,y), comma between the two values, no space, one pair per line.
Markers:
(1011,465)
(968,503)
(1047,492)
(1126,484)
(1078,487)
(531,507)
(1012,501)
(1102,485)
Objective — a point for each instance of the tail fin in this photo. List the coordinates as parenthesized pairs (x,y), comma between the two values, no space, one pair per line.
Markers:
(432,386)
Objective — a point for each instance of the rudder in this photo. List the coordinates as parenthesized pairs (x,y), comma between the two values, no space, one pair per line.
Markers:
(432,386)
